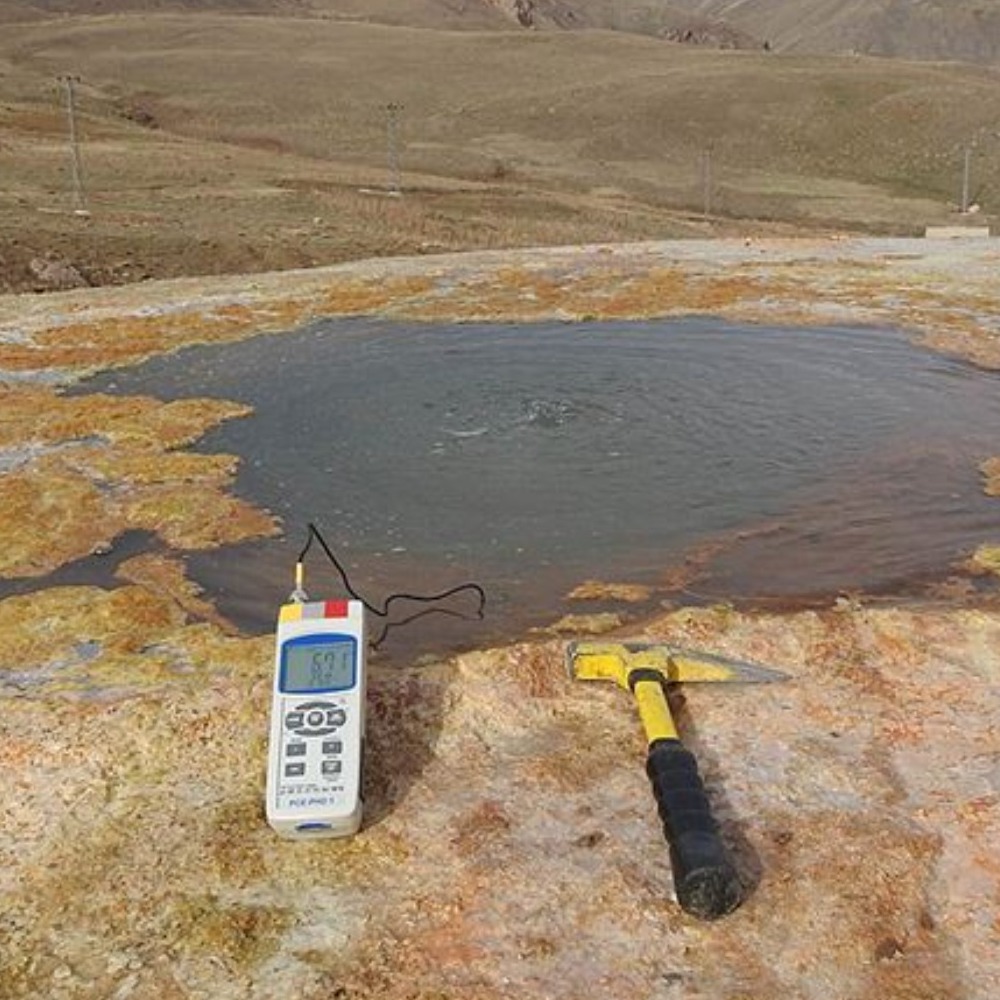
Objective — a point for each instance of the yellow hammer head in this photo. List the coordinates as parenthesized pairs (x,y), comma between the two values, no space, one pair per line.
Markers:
(614,661)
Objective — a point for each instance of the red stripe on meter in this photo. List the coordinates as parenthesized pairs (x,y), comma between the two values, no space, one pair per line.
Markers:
(336,609)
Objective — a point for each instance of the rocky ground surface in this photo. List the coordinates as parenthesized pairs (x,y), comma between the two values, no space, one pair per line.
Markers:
(511,847)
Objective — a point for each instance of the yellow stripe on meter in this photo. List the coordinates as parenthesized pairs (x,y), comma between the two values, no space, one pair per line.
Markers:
(290,613)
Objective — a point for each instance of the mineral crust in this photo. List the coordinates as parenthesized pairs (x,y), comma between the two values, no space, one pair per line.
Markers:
(511,847)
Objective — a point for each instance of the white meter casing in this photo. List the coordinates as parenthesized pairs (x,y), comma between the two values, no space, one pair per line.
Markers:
(314,763)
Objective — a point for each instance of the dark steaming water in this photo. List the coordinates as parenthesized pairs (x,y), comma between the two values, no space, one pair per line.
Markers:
(532,457)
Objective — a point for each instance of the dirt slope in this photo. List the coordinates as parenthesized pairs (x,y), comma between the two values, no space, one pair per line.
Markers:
(936,30)
(206,148)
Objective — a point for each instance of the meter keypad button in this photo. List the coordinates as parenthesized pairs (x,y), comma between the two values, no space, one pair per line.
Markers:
(315,718)
(318,731)
(296,749)
(313,706)
(295,770)
(332,766)
(332,746)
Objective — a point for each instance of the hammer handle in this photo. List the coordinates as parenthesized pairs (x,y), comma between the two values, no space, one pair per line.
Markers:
(706,882)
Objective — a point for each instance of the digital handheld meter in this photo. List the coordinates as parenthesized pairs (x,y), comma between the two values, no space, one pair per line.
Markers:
(317,720)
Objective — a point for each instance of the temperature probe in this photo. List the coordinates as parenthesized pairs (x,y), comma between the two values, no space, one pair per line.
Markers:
(317,720)
(316,751)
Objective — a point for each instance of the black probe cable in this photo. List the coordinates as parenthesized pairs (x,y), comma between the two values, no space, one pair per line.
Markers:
(383,612)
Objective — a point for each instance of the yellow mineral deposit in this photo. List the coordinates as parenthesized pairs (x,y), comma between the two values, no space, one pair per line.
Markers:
(88,468)
(991,474)
(986,558)
(596,590)
(33,416)
(594,624)
(48,519)
(164,576)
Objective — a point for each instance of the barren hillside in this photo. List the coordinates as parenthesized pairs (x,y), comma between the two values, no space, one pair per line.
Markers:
(932,29)
(959,30)
(255,134)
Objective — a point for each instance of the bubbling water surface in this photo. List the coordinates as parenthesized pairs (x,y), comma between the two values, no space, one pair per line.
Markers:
(531,457)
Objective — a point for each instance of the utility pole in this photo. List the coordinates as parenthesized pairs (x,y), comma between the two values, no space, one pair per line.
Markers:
(69,84)
(392,113)
(965,180)
(706,180)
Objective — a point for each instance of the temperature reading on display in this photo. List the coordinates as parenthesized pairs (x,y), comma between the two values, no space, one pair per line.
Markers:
(318,666)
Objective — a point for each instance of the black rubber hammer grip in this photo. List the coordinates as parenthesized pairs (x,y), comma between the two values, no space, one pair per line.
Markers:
(705,880)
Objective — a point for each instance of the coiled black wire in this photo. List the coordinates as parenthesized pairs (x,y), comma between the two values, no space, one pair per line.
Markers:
(383,611)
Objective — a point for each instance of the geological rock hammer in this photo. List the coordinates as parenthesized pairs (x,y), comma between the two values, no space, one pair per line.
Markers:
(707,884)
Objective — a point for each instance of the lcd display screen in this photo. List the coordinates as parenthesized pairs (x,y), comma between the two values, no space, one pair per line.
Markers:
(320,664)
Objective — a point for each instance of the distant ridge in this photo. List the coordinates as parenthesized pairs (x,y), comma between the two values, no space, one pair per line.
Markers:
(958,30)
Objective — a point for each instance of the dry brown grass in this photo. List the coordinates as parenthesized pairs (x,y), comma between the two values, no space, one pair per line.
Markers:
(255,161)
